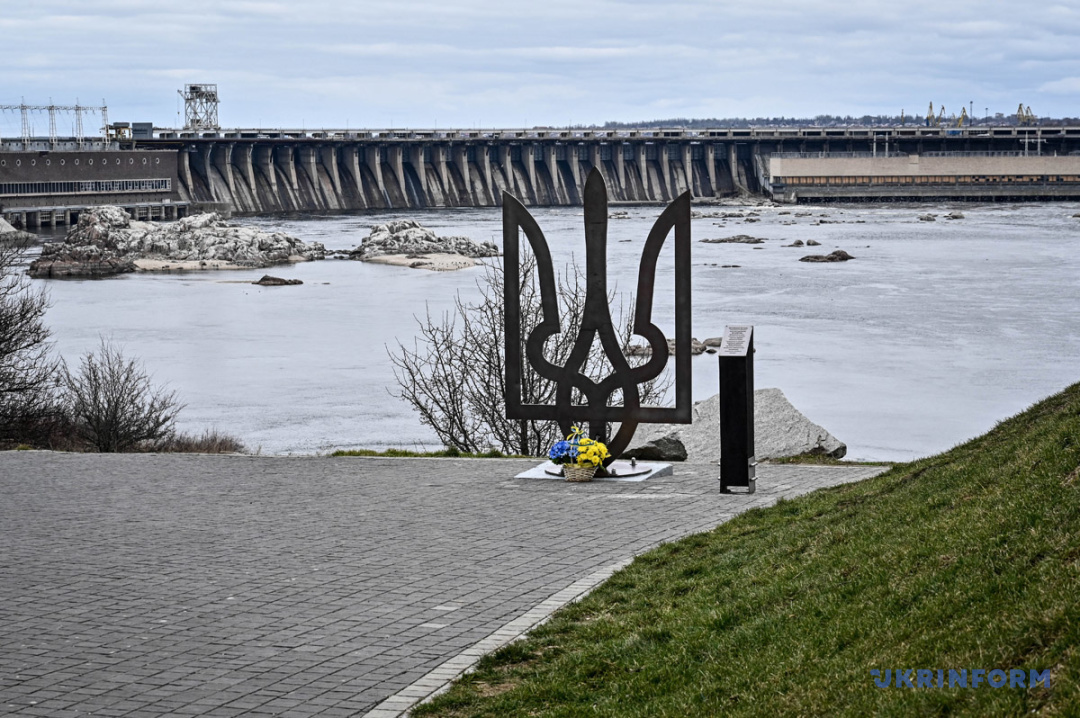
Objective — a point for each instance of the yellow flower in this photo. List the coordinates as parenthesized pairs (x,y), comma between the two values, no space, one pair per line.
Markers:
(589,452)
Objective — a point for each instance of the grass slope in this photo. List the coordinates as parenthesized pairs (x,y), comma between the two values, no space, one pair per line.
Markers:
(969,559)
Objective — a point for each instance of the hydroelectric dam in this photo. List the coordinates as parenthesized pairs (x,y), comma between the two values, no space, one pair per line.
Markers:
(169,173)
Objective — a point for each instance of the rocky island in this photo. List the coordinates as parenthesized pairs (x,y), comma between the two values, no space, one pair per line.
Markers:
(406,243)
(107,241)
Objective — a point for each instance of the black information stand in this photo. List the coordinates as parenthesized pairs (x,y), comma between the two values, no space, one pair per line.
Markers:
(737,462)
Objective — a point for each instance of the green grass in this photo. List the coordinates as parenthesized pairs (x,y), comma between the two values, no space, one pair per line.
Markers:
(450,453)
(969,559)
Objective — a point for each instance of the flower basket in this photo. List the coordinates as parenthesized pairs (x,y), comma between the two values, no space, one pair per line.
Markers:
(573,472)
(579,455)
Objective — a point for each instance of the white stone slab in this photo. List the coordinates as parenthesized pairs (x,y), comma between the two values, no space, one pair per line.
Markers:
(541,472)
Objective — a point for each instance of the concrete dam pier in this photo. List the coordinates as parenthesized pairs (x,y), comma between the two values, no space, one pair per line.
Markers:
(257,171)
(320,174)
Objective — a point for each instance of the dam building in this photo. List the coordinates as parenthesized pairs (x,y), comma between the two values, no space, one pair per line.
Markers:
(50,184)
(157,173)
(978,176)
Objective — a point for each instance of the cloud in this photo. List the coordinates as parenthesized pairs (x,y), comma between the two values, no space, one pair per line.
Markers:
(1064,86)
(408,61)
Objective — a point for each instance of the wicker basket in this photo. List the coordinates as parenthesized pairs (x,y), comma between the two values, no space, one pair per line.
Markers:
(573,472)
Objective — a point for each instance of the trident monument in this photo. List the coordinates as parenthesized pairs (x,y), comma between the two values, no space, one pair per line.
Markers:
(594,403)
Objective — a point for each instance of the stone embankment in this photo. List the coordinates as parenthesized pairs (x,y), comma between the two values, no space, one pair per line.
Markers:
(406,243)
(106,241)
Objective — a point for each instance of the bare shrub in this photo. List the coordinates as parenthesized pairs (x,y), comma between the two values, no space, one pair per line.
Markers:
(211,441)
(29,376)
(454,375)
(113,404)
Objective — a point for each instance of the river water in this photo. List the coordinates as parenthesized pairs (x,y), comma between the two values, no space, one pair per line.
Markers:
(935,331)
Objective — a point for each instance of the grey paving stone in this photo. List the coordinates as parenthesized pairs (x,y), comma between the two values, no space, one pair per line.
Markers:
(196,585)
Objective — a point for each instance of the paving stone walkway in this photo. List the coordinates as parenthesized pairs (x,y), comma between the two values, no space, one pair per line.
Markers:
(150,585)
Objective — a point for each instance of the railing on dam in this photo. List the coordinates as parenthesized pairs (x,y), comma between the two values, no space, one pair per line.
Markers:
(835,155)
(721,133)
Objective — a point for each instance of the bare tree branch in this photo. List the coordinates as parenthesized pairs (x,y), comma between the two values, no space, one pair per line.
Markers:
(114,405)
(454,375)
(28,375)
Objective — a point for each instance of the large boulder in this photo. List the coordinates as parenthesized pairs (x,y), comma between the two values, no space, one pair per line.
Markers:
(268,281)
(81,262)
(90,248)
(408,237)
(838,255)
(666,447)
(106,241)
(780,430)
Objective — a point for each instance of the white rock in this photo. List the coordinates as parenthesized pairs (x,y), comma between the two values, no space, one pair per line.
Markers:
(779,430)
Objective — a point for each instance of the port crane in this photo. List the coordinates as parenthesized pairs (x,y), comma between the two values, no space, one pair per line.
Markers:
(1024,115)
(931,119)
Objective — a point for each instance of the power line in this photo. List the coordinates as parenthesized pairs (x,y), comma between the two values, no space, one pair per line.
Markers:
(77,109)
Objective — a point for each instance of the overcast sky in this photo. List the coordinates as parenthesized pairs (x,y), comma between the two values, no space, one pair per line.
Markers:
(473,63)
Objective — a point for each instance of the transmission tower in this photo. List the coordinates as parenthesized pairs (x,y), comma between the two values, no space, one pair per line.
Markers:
(78,110)
(200,107)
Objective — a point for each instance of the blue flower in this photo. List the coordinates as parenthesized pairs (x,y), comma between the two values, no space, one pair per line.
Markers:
(563,452)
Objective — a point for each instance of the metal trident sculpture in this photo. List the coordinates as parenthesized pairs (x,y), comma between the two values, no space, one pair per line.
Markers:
(596,321)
